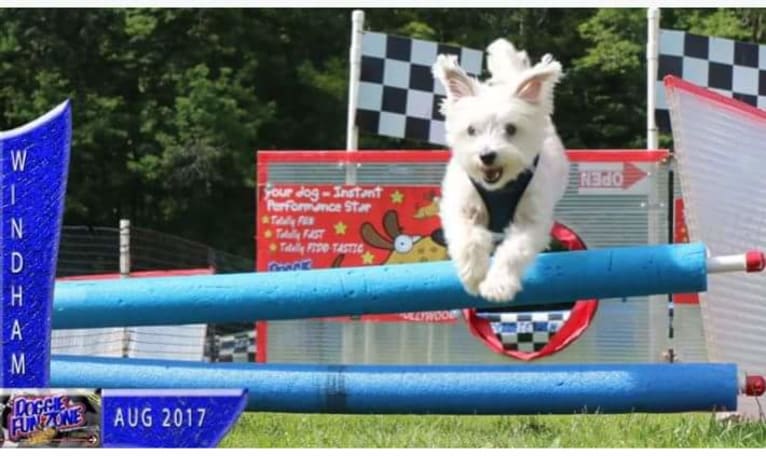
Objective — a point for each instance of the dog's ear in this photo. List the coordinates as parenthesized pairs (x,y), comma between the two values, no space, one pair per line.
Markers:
(391,223)
(456,82)
(537,84)
(373,238)
(504,62)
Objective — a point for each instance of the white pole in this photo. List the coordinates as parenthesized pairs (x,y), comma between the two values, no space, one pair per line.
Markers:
(124,273)
(355,69)
(654,209)
(352,143)
(652,51)
(124,248)
(752,261)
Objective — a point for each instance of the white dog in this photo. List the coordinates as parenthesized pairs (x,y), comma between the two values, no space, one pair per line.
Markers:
(508,168)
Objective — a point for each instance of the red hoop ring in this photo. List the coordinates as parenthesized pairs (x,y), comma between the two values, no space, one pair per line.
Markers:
(579,320)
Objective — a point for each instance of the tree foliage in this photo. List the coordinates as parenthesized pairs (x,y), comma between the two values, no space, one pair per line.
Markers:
(170,105)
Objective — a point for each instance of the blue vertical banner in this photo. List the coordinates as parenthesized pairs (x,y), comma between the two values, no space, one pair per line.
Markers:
(34,161)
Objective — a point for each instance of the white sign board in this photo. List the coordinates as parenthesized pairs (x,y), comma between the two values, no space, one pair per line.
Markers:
(622,178)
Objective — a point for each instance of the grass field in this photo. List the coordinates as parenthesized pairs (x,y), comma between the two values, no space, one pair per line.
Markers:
(277,430)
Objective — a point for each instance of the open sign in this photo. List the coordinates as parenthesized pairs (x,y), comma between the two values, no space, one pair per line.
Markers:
(605,178)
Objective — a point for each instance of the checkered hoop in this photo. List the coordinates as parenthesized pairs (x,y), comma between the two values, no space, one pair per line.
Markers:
(537,331)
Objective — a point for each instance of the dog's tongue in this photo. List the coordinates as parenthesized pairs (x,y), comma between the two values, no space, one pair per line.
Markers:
(492,175)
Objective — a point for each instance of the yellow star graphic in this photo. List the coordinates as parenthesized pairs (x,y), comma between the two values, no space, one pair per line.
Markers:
(397,197)
(265,219)
(267,234)
(273,247)
(340,228)
(368,258)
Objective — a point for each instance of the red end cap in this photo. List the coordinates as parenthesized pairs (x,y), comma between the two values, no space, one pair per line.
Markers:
(755,385)
(755,261)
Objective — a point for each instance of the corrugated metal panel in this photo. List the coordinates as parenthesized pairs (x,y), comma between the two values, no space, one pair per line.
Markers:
(618,334)
(623,331)
(689,339)
(721,163)
(308,173)
(153,342)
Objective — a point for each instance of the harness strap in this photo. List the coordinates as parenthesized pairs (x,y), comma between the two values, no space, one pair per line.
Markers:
(501,204)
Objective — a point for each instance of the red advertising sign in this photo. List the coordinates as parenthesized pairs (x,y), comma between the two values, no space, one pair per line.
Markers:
(325,226)
(304,226)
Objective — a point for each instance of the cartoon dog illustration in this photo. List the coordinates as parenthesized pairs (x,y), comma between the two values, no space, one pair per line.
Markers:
(429,210)
(404,248)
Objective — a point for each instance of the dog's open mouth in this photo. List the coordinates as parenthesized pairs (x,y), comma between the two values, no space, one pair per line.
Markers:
(492,174)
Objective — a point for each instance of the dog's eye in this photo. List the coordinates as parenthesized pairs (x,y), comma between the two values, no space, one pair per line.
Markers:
(510,129)
(471,131)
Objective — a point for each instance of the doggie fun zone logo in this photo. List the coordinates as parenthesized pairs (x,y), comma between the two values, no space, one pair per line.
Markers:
(33,414)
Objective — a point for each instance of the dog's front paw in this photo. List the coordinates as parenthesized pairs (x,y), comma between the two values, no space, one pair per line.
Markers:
(499,287)
(471,272)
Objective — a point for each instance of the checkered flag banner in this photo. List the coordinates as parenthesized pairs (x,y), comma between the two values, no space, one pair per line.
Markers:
(526,331)
(236,347)
(735,69)
(398,96)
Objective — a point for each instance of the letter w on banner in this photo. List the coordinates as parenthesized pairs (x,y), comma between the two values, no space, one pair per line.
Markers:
(397,93)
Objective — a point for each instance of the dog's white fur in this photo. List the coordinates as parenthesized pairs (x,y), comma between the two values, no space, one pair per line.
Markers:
(518,94)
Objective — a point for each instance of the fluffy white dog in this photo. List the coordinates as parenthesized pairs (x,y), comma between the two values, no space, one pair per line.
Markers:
(508,168)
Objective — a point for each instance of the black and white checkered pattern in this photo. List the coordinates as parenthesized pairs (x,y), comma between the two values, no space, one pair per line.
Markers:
(398,96)
(732,68)
(237,347)
(525,331)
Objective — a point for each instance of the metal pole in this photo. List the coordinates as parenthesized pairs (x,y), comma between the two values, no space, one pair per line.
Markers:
(654,202)
(352,131)
(124,274)
(671,223)
(652,50)
(124,248)
(355,69)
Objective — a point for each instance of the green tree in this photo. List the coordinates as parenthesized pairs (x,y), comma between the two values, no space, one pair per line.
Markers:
(171,105)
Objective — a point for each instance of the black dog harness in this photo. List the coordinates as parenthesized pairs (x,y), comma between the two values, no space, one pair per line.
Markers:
(501,204)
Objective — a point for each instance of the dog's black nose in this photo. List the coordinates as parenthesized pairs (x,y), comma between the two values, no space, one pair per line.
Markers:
(488,158)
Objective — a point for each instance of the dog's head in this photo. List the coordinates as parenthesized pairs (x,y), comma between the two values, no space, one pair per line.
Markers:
(495,129)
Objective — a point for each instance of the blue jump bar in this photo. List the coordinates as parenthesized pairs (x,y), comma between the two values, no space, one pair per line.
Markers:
(486,390)
(554,277)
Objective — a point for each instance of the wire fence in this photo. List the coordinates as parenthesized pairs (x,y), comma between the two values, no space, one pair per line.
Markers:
(88,250)
(94,252)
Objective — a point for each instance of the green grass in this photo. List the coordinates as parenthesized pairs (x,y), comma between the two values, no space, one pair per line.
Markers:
(280,430)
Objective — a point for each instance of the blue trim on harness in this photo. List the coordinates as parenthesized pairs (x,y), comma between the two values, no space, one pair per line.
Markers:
(501,204)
